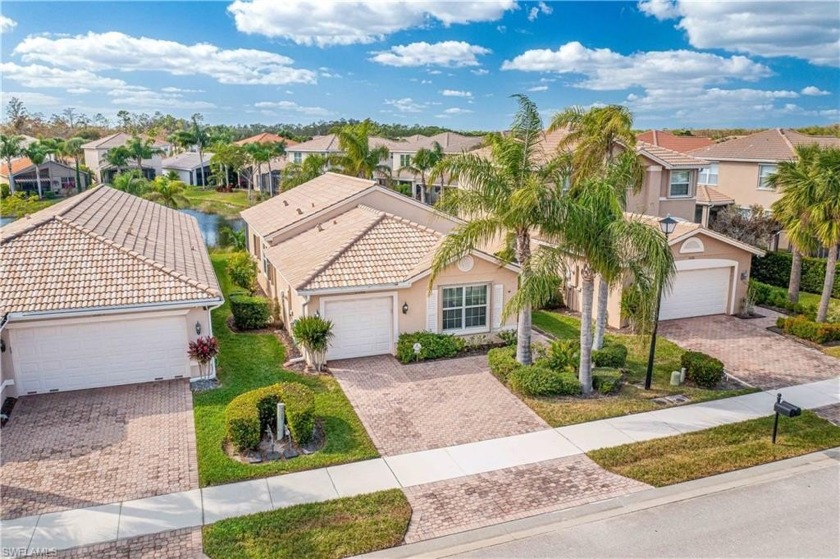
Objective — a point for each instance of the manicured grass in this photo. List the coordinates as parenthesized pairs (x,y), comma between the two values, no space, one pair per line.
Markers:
(557,411)
(833,351)
(228,204)
(721,449)
(249,361)
(329,530)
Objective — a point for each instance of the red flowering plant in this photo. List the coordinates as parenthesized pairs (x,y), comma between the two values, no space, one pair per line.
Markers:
(203,350)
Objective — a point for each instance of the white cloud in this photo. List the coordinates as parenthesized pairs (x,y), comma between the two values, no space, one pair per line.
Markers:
(807,30)
(604,69)
(814,91)
(292,107)
(457,111)
(540,8)
(314,22)
(455,93)
(181,90)
(32,99)
(538,88)
(78,90)
(151,100)
(7,24)
(712,106)
(480,72)
(452,54)
(118,51)
(406,105)
(434,72)
(36,75)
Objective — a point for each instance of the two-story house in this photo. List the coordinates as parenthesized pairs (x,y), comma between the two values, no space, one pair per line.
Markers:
(97,150)
(267,176)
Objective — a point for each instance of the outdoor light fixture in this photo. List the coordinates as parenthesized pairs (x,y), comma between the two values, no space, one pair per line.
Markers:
(197,328)
(405,308)
(667,226)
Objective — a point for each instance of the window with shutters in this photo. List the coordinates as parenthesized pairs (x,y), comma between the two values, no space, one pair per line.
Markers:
(465,308)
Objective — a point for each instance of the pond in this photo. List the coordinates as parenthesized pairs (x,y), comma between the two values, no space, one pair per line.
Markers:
(6,220)
(210,225)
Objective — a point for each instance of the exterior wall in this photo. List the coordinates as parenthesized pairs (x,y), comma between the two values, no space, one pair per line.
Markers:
(739,181)
(654,197)
(93,160)
(51,175)
(6,370)
(183,176)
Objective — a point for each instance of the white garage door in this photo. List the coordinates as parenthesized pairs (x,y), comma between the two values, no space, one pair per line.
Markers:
(697,293)
(361,326)
(56,356)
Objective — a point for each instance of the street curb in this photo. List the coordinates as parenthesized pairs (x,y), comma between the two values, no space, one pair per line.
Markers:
(528,527)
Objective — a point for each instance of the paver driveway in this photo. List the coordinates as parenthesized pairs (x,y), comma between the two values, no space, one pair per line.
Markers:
(407,408)
(88,447)
(751,352)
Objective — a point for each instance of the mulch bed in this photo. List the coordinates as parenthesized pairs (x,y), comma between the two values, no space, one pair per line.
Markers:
(319,439)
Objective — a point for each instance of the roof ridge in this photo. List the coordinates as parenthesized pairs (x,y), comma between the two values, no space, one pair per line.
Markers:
(77,199)
(140,257)
(786,139)
(416,225)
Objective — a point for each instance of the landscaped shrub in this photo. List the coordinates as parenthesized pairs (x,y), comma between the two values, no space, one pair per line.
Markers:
(508,337)
(502,361)
(249,312)
(203,350)
(242,270)
(248,415)
(562,355)
(606,380)
(612,355)
(432,346)
(777,297)
(774,269)
(534,380)
(802,327)
(701,369)
(313,333)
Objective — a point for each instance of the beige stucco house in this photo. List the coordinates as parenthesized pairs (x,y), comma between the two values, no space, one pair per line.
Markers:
(97,150)
(100,289)
(359,255)
(56,177)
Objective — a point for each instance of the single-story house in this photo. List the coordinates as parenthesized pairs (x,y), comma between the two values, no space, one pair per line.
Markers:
(101,289)
(56,177)
(712,275)
(188,166)
(359,254)
(96,156)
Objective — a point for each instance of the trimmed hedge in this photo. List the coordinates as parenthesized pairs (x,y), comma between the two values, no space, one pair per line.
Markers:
(607,381)
(702,369)
(774,269)
(434,346)
(502,361)
(613,355)
(248,415)
(771,296)
(802,327)
(534,380)
(249,312)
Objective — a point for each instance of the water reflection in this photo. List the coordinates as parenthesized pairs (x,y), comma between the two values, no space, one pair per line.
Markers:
(211,225)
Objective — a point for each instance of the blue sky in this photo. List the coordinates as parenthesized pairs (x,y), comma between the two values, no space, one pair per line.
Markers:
(675,64)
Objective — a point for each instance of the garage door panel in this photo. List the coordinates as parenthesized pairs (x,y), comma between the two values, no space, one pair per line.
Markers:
(361,326)
(699,292)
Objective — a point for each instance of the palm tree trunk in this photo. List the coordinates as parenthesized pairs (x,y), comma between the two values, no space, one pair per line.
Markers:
(523,330)
(601,314)
(38,177)
(78,175)
(270,180)
(795,276)
(828,284)
(11,175)
(423,189)
(587,294)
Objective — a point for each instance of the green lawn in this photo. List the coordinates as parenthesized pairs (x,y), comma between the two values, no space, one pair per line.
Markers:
(557,411)
(330,530)
(721,449)
(249,361)
(228,204)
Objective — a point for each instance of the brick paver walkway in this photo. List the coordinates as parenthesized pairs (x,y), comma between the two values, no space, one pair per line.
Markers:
(88,447)
(407,408)
(751,352)
(467,503)
(178,544)
(830,413)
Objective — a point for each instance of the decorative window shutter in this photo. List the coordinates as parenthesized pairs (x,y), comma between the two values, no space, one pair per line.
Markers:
(431,311)
(498,305)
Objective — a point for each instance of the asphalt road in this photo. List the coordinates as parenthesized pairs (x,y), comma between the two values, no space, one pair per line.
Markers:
(797,516)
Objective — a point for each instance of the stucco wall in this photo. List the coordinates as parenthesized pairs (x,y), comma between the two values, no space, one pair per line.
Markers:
(653,198)
(739,181)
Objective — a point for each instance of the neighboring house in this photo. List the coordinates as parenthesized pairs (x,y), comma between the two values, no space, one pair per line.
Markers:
(56,177)
(277,163)
(712,275)
(101,289)
(710,201)
(96,151)
(674,142)
(188,167)
(359,254)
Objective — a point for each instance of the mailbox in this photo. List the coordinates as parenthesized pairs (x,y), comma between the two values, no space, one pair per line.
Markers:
(786,408)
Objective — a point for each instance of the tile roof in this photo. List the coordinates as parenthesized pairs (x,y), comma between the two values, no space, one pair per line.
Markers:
(18,165)
(326,143)
(710,196)
(665,139)
(775,144)
(65,249)
(671,159)
(361,247)
(302,201)
(118,139)
(449,141)
(186,161)
(265,137)
(685,229)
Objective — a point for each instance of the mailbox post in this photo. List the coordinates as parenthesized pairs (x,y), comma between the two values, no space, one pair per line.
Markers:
(786,409)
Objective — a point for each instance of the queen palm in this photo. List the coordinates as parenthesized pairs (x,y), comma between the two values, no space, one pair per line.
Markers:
(259,154)
(37,153)
(140,149)
(597,137)
(272,150)
(509,195)
(131,181)
(72,148)
(313,165)
(422,164)
(11,146)
(825,215)
(168,192)
(358,158)
(118,158)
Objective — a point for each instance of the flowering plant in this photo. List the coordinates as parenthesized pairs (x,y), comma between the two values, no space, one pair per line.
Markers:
(203,350)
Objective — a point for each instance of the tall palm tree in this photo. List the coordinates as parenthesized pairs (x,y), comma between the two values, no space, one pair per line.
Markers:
(825,214)
(131,181)
(358,158)
(422,164)
(596,137)
(140,149)
(37,153)
(313,165)
(510,196)
(118,157)
(72,148)
(11,146)
(259,155)
(797,181)
(273,149)
(168,192)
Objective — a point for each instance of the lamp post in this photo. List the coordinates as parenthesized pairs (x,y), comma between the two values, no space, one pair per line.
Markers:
(667,226)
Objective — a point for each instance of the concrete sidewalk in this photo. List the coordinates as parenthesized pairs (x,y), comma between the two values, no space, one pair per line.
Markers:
(110,522)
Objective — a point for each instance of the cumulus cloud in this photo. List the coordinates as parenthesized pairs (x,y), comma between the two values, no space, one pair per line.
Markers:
(455,93)
(39,76)
(538,88)
(480,72)
(814,91)
(180,90)
(314,22)
(151,100)
(7,24)
(457,111)
(32,98)
(806,30)
(712,106)
(118,51)
(451,54)
(604,69)
(406,105)
(540,8)
(292,107)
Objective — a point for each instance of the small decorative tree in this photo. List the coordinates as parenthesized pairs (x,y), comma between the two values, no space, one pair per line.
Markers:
(204,350)
(313,333)
(242,270)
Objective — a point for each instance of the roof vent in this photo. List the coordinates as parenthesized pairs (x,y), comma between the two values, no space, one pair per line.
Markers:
(285,202)
(320,228)
(300,211)
(313,204)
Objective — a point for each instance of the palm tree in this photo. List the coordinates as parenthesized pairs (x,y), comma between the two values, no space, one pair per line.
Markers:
(131,181)
(797,180)
(118,157)
(259,155)
(313,165)
(140,149)
(595,137)
(358,158)
(168,192)
(37,153)
(825,214)
(72,148)
(422,164)
(11,146)
(272,150)
(509,196)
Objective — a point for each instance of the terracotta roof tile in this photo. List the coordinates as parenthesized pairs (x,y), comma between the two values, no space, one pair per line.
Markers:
(709,196)
(672,159)
(775,144)
(118,139)
(665,139)
(264,138)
